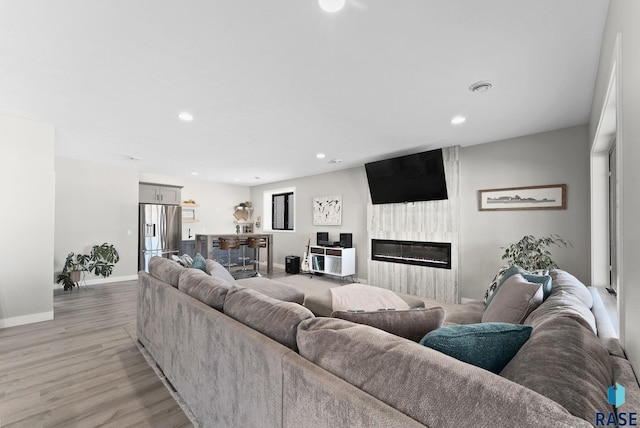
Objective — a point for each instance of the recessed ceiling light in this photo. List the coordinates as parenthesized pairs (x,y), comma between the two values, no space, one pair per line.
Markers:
(185,116)
(321,155)
(194,173)
(479,87)
(458,120)
(134,158)
(331,5)
(335,161)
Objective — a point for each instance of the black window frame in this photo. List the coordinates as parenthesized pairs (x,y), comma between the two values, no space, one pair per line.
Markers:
(289,200)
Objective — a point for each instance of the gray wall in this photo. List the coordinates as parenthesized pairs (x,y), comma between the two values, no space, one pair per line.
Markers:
(351,184)
(26,222)
(555,157)
(558,157)
(98,203)
(622,19)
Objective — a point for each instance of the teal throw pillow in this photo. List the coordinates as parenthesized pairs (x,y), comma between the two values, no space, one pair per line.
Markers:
(489,345)
(199,263)
(545,280)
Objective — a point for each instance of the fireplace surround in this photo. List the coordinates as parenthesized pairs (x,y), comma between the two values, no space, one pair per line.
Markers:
(419,253)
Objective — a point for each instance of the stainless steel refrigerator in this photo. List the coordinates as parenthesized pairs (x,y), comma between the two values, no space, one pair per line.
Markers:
(160,232)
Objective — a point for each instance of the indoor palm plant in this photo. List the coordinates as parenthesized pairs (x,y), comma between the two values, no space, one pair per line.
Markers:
(100,261)
(531,253)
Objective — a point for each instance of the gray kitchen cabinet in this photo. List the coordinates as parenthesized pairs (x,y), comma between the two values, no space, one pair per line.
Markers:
(159,194)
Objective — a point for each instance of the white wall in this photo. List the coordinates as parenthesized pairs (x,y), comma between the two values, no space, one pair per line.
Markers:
(27,174)
(216,200)
(557,157)
(622,19)
(351,184)
(96,203)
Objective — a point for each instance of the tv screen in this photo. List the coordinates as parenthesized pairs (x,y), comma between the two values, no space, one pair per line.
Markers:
(411,178)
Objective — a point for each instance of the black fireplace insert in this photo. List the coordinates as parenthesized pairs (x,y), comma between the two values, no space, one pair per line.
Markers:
(433,254)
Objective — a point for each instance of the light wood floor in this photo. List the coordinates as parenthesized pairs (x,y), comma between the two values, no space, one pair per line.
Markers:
(82,369)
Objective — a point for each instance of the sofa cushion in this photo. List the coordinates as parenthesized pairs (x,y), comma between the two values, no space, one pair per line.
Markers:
(488,345)
(321,304)
(274,318)
(566,362)
(562,303)
(514,301)
(411,324)
(272,288)
(466,313)
(428,386)
(365,297)
(564,281)
(203,287)
(165,270)
(216,269)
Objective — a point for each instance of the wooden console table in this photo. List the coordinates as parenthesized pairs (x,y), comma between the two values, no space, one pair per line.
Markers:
(210,239)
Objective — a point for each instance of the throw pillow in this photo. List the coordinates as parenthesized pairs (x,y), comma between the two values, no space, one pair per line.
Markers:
(494,284)
(411,324)
(216,269)
(506,272)
(487,345)
(199,263)
(514,301)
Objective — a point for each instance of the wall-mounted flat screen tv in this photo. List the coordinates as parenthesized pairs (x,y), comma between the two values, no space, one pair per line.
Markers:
(411,178)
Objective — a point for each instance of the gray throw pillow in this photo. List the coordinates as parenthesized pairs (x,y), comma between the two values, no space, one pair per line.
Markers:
(216,269)
(411,324)
(514,301)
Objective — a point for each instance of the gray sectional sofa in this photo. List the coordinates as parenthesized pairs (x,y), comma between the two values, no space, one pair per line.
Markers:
(247,354)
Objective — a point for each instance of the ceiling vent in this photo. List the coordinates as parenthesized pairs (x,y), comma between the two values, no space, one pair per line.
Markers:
(480,87)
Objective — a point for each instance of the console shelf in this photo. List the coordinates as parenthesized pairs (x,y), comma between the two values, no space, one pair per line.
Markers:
(333,261)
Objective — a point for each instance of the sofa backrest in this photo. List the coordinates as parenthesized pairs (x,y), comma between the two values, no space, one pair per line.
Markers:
(274,318)
(565,361)
(208,289)
(165,270)
(430,387)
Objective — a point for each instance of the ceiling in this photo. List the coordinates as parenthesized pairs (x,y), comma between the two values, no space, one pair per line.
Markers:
(273,83)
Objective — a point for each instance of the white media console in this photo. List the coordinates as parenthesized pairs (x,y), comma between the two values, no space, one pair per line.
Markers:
(333,261)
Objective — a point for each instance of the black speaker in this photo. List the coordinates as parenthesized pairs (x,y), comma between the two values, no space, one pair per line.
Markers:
(322,237)
(292,264)
(346,240)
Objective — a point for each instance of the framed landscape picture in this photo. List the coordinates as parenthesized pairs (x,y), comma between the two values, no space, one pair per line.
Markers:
(550,197)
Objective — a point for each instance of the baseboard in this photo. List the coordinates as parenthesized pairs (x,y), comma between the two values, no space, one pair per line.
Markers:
(96,281)
(26,319)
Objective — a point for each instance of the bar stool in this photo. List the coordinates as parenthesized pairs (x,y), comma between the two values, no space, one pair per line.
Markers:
(255,244)
(228,244)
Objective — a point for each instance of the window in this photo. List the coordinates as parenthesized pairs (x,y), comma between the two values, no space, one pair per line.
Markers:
(279,209)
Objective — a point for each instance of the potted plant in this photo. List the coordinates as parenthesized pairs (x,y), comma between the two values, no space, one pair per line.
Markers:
(100,261)
(531,253)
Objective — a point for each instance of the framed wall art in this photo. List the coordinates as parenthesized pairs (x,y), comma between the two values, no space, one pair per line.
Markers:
(550,197)
(327,210)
